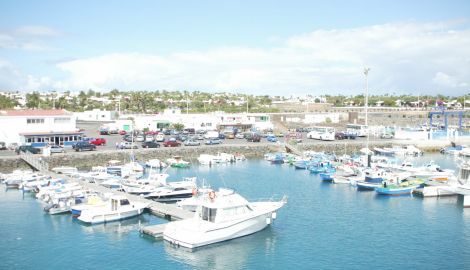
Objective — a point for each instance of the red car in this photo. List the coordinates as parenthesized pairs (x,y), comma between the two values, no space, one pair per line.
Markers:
(171,143)
(98,141)
(122,132)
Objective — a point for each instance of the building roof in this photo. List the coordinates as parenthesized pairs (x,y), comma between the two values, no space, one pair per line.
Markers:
(33,112)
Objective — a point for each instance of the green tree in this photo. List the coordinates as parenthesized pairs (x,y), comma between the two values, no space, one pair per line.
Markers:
(178,126)
(6,102)
(32,100)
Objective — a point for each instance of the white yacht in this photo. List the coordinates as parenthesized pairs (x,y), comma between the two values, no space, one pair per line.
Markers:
(222,216)
(118,208)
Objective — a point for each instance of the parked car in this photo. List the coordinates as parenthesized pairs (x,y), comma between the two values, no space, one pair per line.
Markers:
(27,148)
(240,136)
(140,138)
(340,135)
(191,142)
(149,138)
(150,145)
(160,137)
(271,138)
(113,131)
(181,137)
(97,141)
(230,136)
(213,141)
(104,131)
(253,137)
(387,136)
(122,132)
(84,145)
(200,137)
(57,149)
(3,146)
(128,145)
(171,143)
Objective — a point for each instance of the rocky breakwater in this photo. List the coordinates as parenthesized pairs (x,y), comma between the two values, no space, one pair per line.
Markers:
(86,160)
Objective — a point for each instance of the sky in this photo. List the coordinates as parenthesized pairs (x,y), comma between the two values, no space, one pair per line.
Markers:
(246,46)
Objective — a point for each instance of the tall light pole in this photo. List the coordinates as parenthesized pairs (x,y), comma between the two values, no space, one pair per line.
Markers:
(366,73)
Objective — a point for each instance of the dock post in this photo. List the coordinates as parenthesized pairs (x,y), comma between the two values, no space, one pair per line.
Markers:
(466,201)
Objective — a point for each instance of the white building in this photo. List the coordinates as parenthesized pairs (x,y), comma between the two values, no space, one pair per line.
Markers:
(96,115)
(38,127)
(209,121)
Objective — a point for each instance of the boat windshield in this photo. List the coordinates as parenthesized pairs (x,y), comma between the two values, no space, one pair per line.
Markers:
(209,214)
(125,202)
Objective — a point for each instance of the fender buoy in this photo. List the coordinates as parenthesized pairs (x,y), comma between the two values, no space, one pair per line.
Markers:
(194,192)
(212,195)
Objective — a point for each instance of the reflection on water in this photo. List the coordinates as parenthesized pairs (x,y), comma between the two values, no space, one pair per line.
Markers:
(233,254)
(118,228)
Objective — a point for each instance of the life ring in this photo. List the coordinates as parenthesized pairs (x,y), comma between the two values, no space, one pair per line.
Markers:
(212,195)
(194,192)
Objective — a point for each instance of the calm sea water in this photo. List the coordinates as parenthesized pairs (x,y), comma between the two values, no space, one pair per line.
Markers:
(323,226)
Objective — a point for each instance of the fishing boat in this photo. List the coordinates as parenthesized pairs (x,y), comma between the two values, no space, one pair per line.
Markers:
(222,216)
(403,188)
(117,208)
(326,177)
(178,162)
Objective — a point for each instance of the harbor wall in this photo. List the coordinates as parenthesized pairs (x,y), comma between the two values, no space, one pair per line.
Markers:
(86,160)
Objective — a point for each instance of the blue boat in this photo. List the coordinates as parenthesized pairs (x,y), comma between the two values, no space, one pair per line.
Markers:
(277,159)
(326,177)
(327,169)
(372,180)
(302,164)
(395,190)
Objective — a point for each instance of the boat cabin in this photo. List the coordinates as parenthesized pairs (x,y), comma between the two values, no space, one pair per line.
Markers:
(117,202)
(464,174)
(225,206)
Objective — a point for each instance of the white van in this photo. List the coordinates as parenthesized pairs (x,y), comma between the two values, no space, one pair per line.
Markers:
(211,134)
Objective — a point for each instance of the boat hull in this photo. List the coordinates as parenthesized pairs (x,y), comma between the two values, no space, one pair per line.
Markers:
(395,191)
(232,231)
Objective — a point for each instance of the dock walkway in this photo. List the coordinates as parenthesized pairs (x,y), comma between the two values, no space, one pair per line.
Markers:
(167,211)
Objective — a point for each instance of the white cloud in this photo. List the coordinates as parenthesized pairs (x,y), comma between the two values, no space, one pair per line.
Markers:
(36,30)
(406,57)
(28,38)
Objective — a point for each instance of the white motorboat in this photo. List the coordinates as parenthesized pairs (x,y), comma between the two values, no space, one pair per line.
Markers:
(118,208)
(61,206)
(170,194)
(91,202)
(192,203)
(156,163)
(65,170)
(222,216)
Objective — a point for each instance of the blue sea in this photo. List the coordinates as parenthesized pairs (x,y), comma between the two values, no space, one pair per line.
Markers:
(323,226)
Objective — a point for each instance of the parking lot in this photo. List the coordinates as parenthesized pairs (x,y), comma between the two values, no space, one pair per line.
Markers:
(91,130)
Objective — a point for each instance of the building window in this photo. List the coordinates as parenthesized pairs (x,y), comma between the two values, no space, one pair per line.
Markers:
(59,120)
(35,121)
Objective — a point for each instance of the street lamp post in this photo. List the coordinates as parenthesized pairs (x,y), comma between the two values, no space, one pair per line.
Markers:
(366,73)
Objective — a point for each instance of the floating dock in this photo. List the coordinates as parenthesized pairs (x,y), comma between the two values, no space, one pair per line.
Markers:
(154,230)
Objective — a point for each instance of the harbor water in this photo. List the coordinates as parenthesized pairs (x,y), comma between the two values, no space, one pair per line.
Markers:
(323,226)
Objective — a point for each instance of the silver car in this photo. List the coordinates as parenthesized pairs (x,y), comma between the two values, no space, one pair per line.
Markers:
(57,149)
